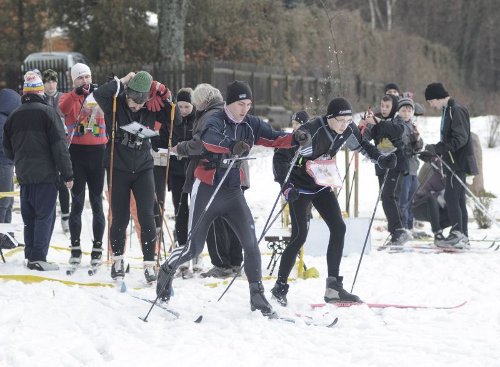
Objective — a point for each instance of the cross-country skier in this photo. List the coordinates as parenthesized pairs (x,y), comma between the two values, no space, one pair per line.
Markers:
(329,134)
(227,133)
(140,99)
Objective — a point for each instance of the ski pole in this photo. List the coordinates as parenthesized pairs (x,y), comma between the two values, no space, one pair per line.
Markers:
(266,226)
(474,198)
(369,228)
(110,185)
(198,221)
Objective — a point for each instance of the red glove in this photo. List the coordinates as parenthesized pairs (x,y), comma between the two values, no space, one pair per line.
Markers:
(157,95)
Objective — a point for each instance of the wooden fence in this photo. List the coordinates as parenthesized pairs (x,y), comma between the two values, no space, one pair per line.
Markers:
(271,86)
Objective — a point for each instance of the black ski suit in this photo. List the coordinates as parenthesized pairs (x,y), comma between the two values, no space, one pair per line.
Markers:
(219,134)
(325,142)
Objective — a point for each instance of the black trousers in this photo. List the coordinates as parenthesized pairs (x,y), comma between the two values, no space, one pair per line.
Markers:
(230,204)
(223,245)
(390,199)
(88,171)
(38,209)
(427,209)
(142,185)
(328,207)
(454,195)
(181,207)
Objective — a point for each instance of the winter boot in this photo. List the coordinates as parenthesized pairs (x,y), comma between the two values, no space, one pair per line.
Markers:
(399,237)
(6,243)
(65,222)
(150,271)
(455,239)
(76,253)
(164,288)
(279,292)
(96,254)
(197,264)
(335,291)
(258,301)
(42,266)
(117,268)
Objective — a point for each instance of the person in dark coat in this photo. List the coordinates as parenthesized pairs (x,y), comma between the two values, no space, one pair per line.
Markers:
(34,139)
(387,136)
(9,101)
(455,149)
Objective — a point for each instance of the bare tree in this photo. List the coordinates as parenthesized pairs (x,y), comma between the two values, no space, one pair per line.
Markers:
(171,21)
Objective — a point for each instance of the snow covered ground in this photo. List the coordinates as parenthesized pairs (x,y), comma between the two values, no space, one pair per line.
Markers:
(53,324)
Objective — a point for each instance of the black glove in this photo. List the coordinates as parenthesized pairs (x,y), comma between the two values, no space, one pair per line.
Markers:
(240,148)
(426,156)
(302,137)
(388,161)
(85,90)
(290,193)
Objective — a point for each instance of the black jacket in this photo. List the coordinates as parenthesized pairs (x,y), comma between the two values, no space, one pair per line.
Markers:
(34,139)
(327,142)
(126,158)
(388,132)
(455,135)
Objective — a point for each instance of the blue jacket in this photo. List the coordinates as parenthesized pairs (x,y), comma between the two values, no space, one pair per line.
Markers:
(9,101)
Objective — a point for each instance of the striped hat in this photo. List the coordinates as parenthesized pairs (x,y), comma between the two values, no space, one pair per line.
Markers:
(33,83)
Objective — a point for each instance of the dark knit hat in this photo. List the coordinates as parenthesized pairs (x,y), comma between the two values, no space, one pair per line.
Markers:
(237,91)
(435,91)
(338,107)
(391,86)
(406,102)
(50,75)
(141,82)
(301,117)
(184,96)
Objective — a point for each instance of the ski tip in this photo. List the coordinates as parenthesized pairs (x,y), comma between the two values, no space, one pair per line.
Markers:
(199,319)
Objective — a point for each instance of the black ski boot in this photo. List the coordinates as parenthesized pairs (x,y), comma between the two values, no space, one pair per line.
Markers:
(117,268)
(164,288)
(76,253)
(336,293)
(96,254)
(279,292)
(258,301)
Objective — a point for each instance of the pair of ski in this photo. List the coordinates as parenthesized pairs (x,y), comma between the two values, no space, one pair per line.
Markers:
(92,270)
(431,249)
(299,318)
(386,305)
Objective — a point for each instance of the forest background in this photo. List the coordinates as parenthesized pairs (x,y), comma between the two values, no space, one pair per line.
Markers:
(358,44)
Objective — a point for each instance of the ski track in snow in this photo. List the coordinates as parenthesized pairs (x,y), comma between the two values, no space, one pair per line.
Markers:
(52,324)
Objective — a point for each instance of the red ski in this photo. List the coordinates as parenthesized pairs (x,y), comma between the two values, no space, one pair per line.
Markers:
(385,305)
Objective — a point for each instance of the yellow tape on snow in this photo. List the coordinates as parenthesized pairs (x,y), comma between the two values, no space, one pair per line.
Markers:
(29,279)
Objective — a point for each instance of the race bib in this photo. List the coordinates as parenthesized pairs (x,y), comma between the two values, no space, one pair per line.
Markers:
(324,172)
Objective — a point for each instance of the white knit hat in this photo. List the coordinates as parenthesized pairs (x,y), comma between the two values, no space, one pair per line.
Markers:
(78,70)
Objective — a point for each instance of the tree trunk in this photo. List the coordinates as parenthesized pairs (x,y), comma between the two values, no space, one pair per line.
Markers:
(171,21)
(373,19)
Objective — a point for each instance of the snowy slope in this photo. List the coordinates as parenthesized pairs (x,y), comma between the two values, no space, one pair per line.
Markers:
(53,324)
